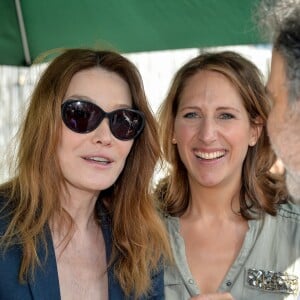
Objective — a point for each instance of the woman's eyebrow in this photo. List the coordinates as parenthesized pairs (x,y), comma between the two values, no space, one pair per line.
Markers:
(228,108)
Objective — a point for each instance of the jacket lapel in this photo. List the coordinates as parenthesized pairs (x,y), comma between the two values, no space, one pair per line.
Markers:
(45,284)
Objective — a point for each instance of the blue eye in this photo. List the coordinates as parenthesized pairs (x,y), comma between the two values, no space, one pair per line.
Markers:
(226,116)
(191,115)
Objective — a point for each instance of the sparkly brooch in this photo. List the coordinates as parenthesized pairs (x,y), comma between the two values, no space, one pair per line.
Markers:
(278,282)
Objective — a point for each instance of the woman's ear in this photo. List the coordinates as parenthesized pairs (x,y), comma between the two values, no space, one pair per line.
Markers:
(256,131)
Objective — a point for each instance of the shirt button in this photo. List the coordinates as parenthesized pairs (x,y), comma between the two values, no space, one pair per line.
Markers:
(191,281)
(228,283)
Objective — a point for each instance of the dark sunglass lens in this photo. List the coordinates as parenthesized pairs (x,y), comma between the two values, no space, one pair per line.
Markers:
(126,124)
(81,116)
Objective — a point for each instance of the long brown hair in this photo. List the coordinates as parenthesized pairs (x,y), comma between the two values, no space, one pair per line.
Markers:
(139,237)
(261,190)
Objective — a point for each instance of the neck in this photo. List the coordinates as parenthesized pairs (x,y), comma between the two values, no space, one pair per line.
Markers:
(214,202)
(80,205)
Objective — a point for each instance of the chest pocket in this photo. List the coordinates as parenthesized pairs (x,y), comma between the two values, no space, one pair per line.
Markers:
(174,285)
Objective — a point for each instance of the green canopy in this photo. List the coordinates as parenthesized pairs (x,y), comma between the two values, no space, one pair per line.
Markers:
(28,28)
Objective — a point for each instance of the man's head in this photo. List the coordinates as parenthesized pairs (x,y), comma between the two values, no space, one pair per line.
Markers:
(281,18)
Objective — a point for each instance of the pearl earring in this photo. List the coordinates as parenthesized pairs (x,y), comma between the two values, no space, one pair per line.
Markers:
(174,141)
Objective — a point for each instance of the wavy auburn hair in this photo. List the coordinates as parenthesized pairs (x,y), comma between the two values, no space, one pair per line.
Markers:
(139,237)
(261,190)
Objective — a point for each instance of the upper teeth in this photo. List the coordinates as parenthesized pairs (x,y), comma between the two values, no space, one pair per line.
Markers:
(100,159)
(210,155)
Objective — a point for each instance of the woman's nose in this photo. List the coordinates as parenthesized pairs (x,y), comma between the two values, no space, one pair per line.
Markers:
(207,130)
(102,133)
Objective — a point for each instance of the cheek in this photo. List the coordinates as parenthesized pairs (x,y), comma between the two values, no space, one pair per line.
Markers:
(68,143)
(270,122)
(185,137)
(276,119)
(183,132)
(238,139)
(124,148)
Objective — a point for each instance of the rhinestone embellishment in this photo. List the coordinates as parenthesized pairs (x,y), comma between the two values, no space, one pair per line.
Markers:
(280,282)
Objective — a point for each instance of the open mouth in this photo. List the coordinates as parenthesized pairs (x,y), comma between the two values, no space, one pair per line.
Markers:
(101,160)
(210,155)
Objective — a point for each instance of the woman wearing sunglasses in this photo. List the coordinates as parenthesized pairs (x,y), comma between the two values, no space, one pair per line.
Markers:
(77,221)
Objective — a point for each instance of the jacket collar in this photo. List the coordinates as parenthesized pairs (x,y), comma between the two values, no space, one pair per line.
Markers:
(45,284)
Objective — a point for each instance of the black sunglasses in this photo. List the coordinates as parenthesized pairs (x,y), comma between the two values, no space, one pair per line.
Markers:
(83,116)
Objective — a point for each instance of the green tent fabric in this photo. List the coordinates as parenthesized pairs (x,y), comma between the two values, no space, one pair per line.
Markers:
(123,25)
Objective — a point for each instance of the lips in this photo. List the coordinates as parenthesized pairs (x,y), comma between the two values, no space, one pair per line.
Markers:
(210,155)
(99,159)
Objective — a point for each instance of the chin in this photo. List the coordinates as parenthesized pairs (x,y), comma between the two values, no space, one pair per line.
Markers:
(98,186)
